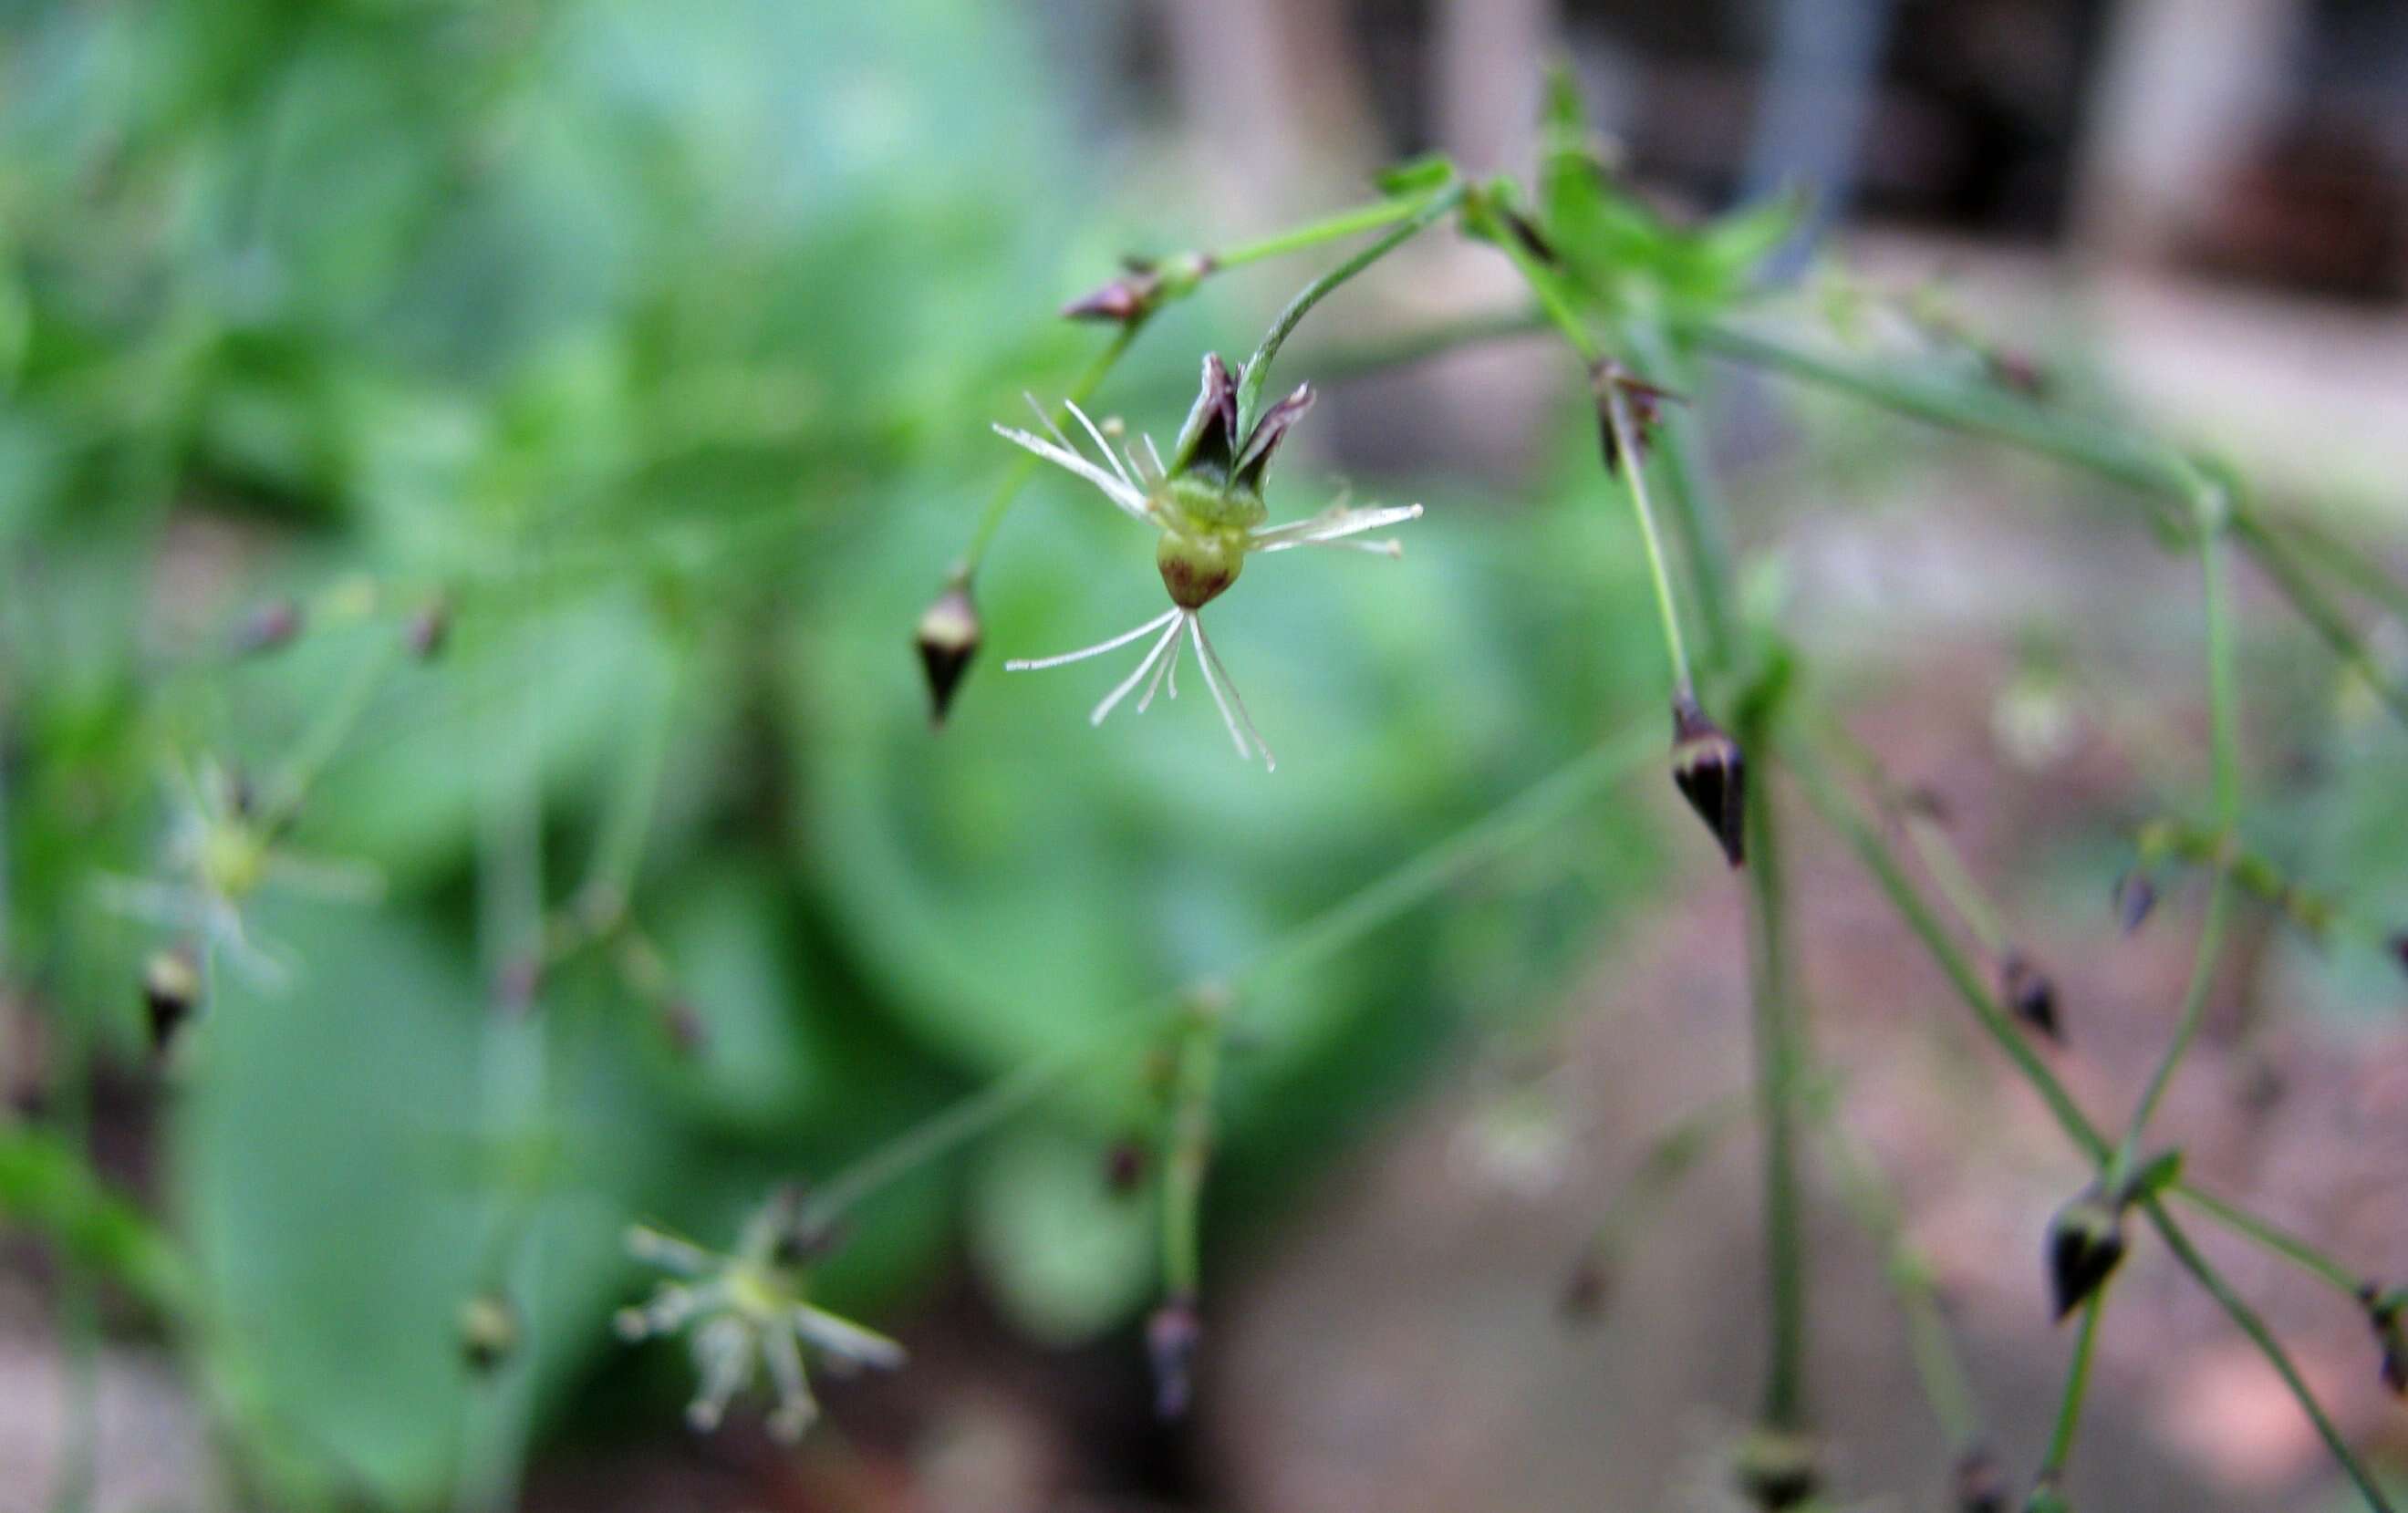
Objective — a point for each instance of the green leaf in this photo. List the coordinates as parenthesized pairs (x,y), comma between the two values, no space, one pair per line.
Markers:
(1417,177)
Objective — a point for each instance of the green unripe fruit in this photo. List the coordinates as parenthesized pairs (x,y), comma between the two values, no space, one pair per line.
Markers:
(1197,570)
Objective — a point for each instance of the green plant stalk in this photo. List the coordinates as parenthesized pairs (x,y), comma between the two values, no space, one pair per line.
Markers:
(1874,853)
(1023,467)
(2345,561)
(2255,1327)
(1947,1385)
(2162,478)
(1326,934)
(2224,743)
(1334,228)
(325,738)
(2275,1240)
(1682,470)
(1780,1052)
(2077,1389)
(1188,1153)
(1424,213)
(1560,311)
(1956,882)
(1676,1151)
(611,882)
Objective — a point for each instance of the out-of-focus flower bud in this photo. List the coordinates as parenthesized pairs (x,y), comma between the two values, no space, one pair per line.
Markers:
(1779,1468)
(171,991)
(2085,1241)
(1980,1483)
(429,627)
(1712,774)
(489,1332)
(2029,995)
(267,627)
(948,639)
(1170,1339)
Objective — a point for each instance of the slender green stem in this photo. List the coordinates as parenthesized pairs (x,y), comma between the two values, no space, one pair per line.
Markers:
(325,738)
(2274,558)
(1334,228)
(2352,563)
(1188,1153)
(1874,851)
(2225,747)
(1424,213)
(1956,882)
(1629,445)
(2273,1237)
(620,851)
(1317,939)
(1017,474)
(2242,1314)
(1682,470)
(1780,1054)
(1873,1203)
(2077,1389)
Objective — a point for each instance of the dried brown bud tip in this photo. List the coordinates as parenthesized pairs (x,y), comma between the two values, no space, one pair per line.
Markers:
(1711,773)
(1981,1482)
(428,629)
(948,637)
(171,990)
(2135,896)
(1778,1468)
(2029,995)
(2085,1241)
(267,627)
(489,1332)
(1170,1339)
(1642,402)
(1589,1288)
(1125,1166)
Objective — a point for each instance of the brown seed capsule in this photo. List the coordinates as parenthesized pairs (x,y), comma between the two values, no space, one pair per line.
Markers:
(267,627)
(2085,1241)
(1712,774)
(171,990)
(1980,1483)
(489,1332)
(2029,995)
(1170,1339)
(1779,1468)
(948,637)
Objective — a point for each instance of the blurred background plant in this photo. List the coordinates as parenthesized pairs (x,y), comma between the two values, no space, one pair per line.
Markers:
(513,443)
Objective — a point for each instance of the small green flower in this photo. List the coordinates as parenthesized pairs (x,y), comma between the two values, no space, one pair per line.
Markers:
(1206,505)
(749,1307)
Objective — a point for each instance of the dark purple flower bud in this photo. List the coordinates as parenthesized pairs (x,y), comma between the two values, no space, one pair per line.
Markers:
(682,1024)
(2388,1313)
(489,1332)
(1170,1339)
(1207,442)
(1255,456)
(1125,299)
(516,985)
(1980,1484)
(2398,944)
(1588,1287)
(1125,1166)
(2135,896)
(2012,368)
(171,991)
(1779,1468)
(267,627)
(1711,773)
(1533,241)
(428,629)
(2085,1241)
(948,639)
(2029,995)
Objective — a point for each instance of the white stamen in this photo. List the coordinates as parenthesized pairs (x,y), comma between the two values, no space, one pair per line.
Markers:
(649,1246)
(1040,663)
(1136,465)
(1389,548)
(1047,422)
(796,1407)
(1169,669)
(1155,452)
(1101,444)
(845,1341)
(1150,658)
(1124,497)
(1330,525)
(1215,676)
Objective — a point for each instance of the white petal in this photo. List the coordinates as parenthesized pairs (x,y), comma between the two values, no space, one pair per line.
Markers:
(1040,663)
(1127,499)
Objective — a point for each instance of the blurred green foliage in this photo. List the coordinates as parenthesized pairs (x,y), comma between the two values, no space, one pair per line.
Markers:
(660,343)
